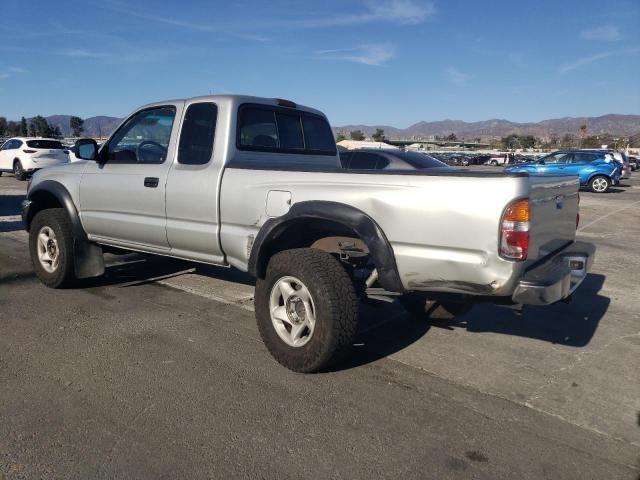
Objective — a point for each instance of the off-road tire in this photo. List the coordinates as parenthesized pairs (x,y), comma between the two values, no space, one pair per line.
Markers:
(599,178)
(421,308)
(58,221)
(336,309)
(18,170)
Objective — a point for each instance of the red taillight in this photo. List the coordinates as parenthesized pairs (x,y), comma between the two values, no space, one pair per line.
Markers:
(578,214)
(514,231)
(29,151)
(286,103)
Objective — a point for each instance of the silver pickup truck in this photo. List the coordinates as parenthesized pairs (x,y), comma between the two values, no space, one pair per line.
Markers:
(257,184)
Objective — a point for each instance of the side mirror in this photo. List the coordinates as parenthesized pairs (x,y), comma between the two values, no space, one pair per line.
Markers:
(86,149)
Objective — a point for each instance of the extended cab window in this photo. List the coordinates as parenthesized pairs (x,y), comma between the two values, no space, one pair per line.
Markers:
(198,133)
(283,130)
(144,138)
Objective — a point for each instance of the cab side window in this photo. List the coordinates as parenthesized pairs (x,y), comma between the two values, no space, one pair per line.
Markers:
(198,134)
(559,158)
(144,138)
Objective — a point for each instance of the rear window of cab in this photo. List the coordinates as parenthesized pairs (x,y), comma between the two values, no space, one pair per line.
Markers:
(264,128)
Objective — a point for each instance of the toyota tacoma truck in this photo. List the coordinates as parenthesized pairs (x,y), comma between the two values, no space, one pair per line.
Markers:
(257,184)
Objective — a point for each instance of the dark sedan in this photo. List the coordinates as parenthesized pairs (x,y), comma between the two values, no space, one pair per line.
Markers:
(376,159)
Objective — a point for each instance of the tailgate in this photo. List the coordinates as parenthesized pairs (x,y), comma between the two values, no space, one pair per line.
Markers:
(554,208)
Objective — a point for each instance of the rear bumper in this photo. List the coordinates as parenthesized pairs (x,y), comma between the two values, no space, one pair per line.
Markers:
(557,277)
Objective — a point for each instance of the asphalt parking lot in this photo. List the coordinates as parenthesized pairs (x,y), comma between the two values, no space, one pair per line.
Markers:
(156,370)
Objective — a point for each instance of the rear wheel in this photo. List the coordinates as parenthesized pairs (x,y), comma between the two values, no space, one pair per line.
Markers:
(51,247)
(599,184)
(494,163)
(306,309)
(18,170)
(421,308)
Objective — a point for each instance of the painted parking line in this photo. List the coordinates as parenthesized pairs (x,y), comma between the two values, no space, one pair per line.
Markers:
(615,212)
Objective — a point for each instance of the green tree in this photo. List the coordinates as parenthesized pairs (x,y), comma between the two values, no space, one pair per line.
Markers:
(77,126)
(55,132)
(451,137)
(340,137)
(3,126)
(13,128)
(528,141)
(41,127)
(511,142)
(379,135)
(32,130)
(23,127)
(356,135)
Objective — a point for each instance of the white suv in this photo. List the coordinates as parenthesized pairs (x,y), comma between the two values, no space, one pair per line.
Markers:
(22,156)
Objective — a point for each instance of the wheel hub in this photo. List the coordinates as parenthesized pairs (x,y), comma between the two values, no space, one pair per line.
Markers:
(296,310)
(52,248)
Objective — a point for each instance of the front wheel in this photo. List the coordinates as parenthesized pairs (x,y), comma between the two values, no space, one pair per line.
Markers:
(494,163)
(51,247)
(599,184)
(18,171)
(306,309)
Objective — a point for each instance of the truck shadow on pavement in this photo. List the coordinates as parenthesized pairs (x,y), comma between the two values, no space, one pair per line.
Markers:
(388,329)
(132,269)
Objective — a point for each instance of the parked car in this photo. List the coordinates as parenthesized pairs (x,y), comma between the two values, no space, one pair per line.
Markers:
(596,169)
(625,169)
(257,184)
(501,159)
(633,163)
(376,159)
(23,156)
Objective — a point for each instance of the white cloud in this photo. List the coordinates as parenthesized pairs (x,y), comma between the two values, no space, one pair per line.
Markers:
(404,12)
(371,54)
(609,33)
(456,76)
(17,70)
(581,62)
(78,53)
(3,76)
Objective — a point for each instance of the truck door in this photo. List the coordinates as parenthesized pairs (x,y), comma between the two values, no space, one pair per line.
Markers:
(193,186)
(122,197)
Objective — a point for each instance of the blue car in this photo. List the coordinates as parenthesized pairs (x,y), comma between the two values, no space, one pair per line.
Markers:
(596,169)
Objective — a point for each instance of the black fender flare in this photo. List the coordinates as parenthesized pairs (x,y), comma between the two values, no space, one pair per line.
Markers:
(88,258)
(356,220)
(64,198)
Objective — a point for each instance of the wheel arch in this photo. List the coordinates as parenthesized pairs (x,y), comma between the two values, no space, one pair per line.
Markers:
(307,222)
(88,258)
(52,194)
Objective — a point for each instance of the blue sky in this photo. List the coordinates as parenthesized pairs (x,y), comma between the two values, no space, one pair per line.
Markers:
(392,62)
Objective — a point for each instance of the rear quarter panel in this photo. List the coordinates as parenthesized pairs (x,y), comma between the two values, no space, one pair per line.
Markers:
(443,230)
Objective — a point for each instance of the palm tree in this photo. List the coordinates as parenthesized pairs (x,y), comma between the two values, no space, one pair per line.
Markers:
(583,133)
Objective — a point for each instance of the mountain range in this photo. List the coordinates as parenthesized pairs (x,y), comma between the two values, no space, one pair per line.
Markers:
(623,125)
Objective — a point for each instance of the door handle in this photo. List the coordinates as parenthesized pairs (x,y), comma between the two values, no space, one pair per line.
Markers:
(151,182)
